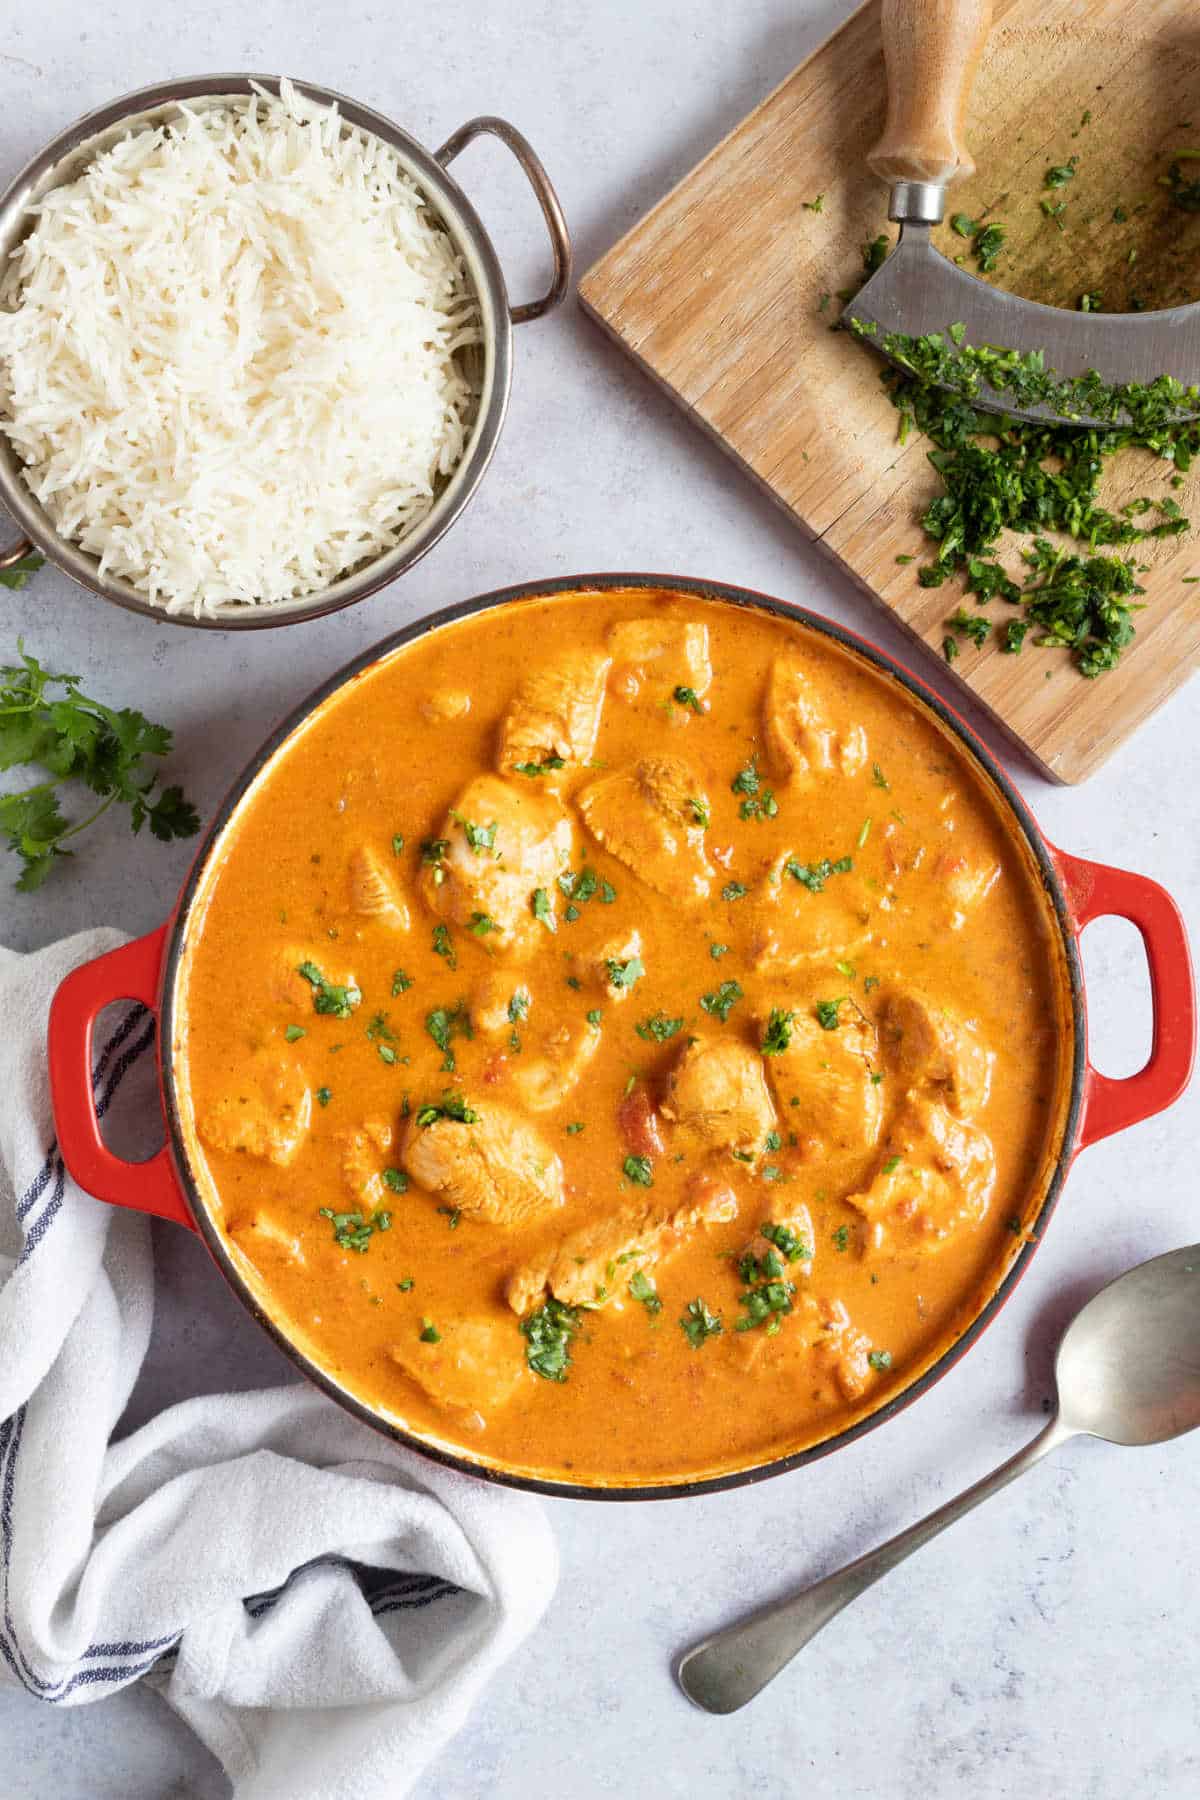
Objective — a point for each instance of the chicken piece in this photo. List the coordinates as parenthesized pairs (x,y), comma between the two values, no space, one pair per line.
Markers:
(374,890)
(669,652)
(824,1081)
(800,741)
(441,706)
(595,1263)
(555,713)
(265,1242)
(286,984)
(361,1150)
(842,1349)
(925,1043)
(529,849)
(500,1002)
(936,1175)
(717,1097)
(542,1082)
(799,920)
(266,1114)
(473,1370)
(497,1167)
(650,818)
(964,883)
(619,951)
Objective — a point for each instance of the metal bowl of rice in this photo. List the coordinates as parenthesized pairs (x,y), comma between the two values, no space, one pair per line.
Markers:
(254,356)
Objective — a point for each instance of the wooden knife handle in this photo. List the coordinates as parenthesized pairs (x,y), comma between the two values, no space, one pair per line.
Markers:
(932,50)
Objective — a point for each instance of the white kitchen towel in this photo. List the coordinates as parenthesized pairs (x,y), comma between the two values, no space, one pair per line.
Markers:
(320,1605)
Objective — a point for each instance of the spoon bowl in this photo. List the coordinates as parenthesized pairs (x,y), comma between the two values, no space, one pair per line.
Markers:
(1128,1367)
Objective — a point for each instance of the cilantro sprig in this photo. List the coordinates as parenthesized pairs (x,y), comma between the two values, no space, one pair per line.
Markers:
(47,722)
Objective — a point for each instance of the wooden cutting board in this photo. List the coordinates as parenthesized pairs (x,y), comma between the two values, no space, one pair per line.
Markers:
(718,294)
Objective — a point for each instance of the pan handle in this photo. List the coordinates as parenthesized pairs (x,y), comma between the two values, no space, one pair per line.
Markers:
(931,49)
(130,972)
(547,199)
(1094,889)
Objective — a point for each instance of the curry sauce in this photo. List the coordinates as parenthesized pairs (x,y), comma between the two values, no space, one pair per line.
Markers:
(622,1038)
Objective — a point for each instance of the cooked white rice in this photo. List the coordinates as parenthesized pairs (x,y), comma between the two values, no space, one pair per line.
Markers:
(229,354)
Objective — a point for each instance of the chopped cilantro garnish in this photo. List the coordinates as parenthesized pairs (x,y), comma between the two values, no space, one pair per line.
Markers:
(879,778)
(542,768)
(540,902)
(813,876)
(717,951)
(698,1324)
(594,1016)
(1059,174)
(451,1106)
(328,996)
(891,1165)
(720,1003)
(827,1013)
(444,1026)
(733,890)
(880,1359)
(787,1241)
(443,946)
(778,1034)
(574,1129)
(548,1333)
(624,974)
(482,924)
(406,1285)
(324,1096)
(686,696)
(841,1238)
(642,1288)
(700,812)
(294,1033)
(658,1028)
(639,1170)
(451,1214)
(481,838)
(396,1180)
(400,983)
(354,1230)
(429,1332)
(398,844)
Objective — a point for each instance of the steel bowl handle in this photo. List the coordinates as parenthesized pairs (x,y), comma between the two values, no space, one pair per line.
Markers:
(128,973)
(1094,889)
(547,199)
(16,553)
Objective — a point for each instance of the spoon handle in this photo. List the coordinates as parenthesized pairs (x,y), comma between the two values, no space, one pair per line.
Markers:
(726,1670)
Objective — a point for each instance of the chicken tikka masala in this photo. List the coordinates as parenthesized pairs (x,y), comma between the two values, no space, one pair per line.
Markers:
(622,1040)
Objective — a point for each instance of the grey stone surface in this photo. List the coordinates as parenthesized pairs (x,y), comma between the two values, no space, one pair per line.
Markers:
(1049,1643)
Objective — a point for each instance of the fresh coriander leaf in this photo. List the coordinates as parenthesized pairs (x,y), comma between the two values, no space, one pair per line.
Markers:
(548,1333)
(658,1028)
(698,1324)
(778,1034)
(720,1003)
(639,1170)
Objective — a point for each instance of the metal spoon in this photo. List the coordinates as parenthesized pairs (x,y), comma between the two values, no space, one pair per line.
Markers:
(1128,1370)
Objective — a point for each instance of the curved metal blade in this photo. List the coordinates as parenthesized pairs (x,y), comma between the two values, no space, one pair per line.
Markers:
(919,290)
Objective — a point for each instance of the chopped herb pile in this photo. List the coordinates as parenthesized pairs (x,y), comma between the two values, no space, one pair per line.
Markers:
(658,1028)
(451,1106)
(720,1003)
(330,997)
(813,876)
(1000,473)
(75,738)
(444,1025)
(642,1288)
(698,1324)
(548,1333)
(353,1230)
